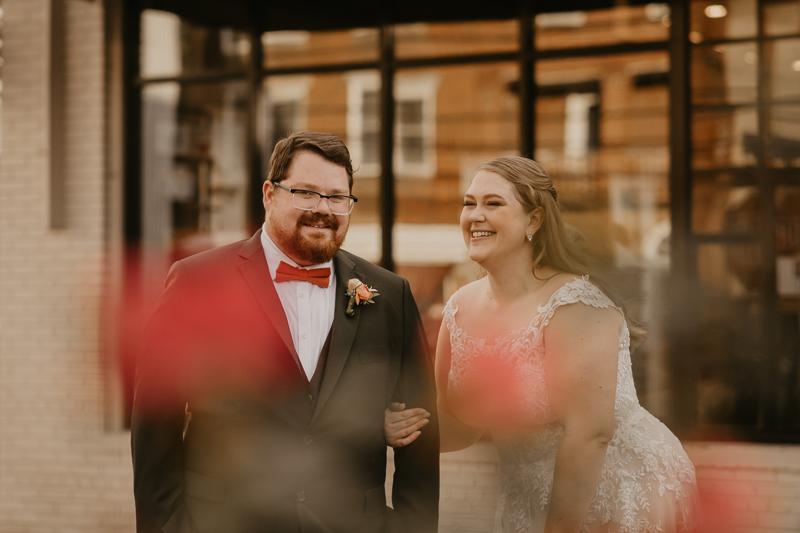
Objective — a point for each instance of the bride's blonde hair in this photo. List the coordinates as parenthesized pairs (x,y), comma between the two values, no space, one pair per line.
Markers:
(553,246)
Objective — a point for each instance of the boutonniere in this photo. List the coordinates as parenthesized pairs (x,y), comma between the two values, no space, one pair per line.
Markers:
(359,294)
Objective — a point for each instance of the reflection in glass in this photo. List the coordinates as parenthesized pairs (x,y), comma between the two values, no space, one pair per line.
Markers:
(727,138)
(305,48)
(720,207)
(602,128)
(194,166)
(724,73)
(605,140)
(781,17)
(575,29)
(784,68)
(730,270)
(426,39)
(787,226)
(727,338)
(171,47)
(787,277)
(722,19)
(783,139)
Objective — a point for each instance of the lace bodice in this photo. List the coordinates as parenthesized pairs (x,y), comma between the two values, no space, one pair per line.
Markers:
(644,461)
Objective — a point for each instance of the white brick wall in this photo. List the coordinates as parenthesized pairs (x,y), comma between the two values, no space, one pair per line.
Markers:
(60,470)
(754,487)
(747,488)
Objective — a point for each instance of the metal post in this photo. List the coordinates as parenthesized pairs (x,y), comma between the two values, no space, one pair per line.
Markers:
(387,197)
(132,118)
(682,252)
(527,86)
(770,333)
(255,140)
(57,196)
(131,94)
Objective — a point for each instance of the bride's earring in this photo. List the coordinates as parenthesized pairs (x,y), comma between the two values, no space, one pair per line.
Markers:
(529,236)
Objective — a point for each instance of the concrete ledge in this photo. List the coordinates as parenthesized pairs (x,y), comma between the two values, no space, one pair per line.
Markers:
(737,455)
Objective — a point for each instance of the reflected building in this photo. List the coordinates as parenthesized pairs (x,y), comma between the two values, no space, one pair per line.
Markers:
(671,132)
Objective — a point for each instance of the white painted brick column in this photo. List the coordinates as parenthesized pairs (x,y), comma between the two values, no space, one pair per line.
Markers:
(60,469)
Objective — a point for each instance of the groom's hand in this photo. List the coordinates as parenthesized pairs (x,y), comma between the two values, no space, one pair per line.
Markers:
(402,426)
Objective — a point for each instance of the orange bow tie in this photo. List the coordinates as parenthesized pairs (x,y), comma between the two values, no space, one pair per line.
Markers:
(317,276)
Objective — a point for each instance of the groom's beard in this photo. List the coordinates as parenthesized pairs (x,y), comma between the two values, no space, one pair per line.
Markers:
(311,249)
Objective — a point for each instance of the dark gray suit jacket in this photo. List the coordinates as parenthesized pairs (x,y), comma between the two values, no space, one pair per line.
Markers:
(225,435)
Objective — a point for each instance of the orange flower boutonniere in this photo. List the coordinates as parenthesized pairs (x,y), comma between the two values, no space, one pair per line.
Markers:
(359,294)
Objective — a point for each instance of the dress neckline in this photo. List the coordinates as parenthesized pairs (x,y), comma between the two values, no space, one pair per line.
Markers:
(533,324)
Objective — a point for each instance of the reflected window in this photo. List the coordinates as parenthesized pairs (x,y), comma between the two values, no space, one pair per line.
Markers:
(415,124)
(195,175)
(286,107)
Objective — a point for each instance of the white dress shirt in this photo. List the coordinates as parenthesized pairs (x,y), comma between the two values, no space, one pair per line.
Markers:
(308,307)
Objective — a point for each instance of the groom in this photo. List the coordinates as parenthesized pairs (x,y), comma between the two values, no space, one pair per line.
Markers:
(260,393)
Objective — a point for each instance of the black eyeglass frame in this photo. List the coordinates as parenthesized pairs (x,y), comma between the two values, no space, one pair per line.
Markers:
(320,195)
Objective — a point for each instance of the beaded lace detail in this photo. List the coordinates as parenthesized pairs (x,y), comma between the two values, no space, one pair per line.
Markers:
(647,482)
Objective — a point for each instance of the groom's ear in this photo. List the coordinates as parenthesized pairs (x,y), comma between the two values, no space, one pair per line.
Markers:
(268,191)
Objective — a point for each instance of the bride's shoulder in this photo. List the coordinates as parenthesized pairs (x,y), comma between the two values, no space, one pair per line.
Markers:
(560,282)
(467,293)
(570,288)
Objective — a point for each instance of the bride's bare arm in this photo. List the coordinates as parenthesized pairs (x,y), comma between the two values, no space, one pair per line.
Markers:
(403,426)
(581,351)
(454,435)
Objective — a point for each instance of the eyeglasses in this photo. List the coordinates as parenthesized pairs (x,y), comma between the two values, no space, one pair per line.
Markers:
(339,204)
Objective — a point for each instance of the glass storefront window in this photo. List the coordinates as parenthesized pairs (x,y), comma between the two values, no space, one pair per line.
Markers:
(730,270)
(783,138)
(784,68)
(727,138)
(604,141)
(455,38)
(602,134)
(722,19)
(304,48)
(719,206)
(194,166)
(787,238)
(622,24)
(724,73)
(602,131)
(171,47)
(781,17)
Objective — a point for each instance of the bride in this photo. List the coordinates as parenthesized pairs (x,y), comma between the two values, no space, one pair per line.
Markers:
(536,353)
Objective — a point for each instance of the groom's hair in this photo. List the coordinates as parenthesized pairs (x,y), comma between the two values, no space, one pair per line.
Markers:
(326,145)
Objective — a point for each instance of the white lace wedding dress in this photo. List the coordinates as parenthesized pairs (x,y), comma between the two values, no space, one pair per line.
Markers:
(647,483)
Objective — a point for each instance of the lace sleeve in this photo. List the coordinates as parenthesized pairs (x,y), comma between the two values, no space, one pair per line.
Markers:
(449,313)
(577,290)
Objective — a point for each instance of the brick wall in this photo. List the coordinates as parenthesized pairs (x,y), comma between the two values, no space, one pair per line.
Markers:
(61,470)
(754,488)
(747,488)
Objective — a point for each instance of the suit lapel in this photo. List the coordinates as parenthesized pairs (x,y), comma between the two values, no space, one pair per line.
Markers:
(343,331)
(256,274)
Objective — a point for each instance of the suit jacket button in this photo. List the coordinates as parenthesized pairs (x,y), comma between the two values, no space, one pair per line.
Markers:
(308,440)
(301,496)
(310,398)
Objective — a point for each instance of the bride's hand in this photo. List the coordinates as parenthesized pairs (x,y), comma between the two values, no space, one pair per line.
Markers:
(402,426)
